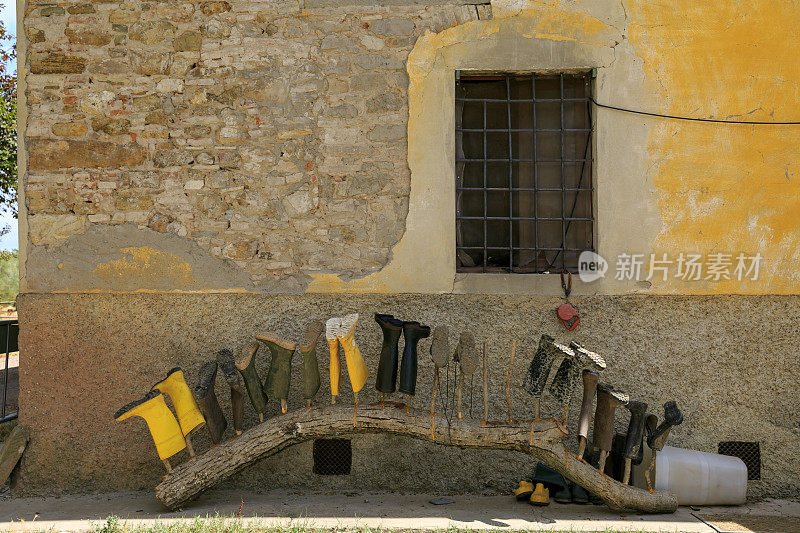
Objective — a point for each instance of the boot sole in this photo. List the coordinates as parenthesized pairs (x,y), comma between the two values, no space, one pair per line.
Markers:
(277,340)
(246,355)
(440,348)
(128,406)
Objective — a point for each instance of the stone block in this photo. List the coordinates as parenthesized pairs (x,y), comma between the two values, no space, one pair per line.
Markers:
(87,37)
(53,63)
(69,129)
(48,154)
(111,126)
(392,26)
(384,102)
(150,33)
(175,11)
(387,132)
(172,158)
(187,41)
(80,9)
(34,35)
(214,8)
(54,229)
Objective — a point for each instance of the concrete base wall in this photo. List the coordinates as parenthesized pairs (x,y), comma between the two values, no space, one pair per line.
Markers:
(729,362)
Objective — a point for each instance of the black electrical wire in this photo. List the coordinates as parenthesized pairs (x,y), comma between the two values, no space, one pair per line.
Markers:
(675,117)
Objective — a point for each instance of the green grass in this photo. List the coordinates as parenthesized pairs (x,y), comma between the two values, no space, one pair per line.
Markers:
(220,524)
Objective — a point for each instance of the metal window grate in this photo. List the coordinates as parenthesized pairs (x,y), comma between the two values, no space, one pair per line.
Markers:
(749,452)
(332,457)
(523,172)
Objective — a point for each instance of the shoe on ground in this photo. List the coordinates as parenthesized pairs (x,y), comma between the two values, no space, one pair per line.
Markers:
(540,496)
(524,491)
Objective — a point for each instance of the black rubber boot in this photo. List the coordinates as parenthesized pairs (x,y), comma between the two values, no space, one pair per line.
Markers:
(672,417)
(579,494)
(207,400)
(386,380)
(227,364)
(633,438)
(412,333)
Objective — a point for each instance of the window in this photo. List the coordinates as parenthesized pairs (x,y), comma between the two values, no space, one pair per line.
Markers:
(523,172)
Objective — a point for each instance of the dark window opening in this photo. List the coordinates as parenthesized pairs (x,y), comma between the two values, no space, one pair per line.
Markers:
(523,172)
(332,457)
(749,452)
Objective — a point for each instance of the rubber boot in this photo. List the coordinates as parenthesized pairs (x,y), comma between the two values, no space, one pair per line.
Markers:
(308,349)
(226,363)
(607,402)
(276,385)
(246,364)
(564,382)
(539,369)
(356,367)
(633,437)
(524,491)
(412,333)
(335,366)
(590,379)
(386,378)
(587,359)
(540,496)
(163,426)
(174,386)
(672,417)
(209,405)
(579,494)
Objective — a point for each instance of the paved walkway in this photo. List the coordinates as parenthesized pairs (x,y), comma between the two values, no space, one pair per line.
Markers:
(388,511)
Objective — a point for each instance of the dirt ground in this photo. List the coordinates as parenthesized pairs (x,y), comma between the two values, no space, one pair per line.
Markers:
(386,511)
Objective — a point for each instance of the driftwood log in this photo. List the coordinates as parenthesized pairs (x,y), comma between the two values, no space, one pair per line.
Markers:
(542,439)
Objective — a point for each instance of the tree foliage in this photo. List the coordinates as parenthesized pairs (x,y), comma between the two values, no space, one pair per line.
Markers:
(8,122)
(9,275)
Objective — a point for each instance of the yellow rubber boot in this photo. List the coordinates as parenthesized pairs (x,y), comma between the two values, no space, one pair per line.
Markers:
(331,327)
(356,366)
(540,496)
(174,386)
(163,427)
(524,491)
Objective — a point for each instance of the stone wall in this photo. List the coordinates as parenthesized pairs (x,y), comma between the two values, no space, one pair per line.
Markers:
(270,135)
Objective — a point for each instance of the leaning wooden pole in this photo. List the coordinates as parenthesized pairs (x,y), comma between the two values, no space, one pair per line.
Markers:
(543,440)
(509,404)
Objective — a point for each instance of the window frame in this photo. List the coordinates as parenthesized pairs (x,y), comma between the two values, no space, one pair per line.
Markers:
(559,262)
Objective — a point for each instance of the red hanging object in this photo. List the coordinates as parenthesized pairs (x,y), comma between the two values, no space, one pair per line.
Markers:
(568,315)
(565,312)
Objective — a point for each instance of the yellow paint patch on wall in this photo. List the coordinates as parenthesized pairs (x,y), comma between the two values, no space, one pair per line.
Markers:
(144,264)
(725,188)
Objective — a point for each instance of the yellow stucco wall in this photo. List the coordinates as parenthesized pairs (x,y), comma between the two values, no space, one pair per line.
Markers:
(726,188)
(702,188)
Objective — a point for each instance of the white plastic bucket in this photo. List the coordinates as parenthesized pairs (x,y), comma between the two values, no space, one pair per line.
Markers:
(700,478)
